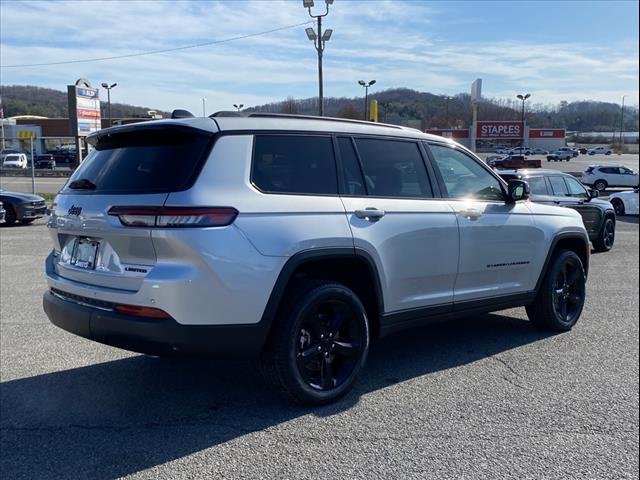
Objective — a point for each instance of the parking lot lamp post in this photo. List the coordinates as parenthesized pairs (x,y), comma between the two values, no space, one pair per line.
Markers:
(621,125)
(524,99)
(238,107)
(204,106)
(366,96)
(108,88)
(319,39)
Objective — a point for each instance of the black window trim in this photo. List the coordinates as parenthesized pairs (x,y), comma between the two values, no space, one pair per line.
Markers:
(561,177)
(442,185)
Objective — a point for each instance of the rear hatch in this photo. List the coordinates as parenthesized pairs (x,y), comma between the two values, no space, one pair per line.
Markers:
(129,170)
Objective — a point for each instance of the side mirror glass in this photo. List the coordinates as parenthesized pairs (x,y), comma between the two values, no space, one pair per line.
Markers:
(518,190)
(594,193)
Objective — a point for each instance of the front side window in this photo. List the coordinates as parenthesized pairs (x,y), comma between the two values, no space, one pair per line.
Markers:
(294,164)
(558,186)
(464,177)
(576,189)
(393,168)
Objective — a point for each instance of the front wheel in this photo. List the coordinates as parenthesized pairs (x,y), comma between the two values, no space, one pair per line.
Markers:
(10,215)
(606,237)
(319,343)
(561,297)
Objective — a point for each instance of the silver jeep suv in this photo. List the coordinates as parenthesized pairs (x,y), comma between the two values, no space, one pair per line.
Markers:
(297,240)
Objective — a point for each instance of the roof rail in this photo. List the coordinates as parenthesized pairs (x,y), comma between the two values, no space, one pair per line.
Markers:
(326,119)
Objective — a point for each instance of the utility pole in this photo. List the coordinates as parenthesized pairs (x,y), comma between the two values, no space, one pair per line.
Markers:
(319,39)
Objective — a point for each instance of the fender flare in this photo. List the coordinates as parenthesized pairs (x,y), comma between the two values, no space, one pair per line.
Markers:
(552,249)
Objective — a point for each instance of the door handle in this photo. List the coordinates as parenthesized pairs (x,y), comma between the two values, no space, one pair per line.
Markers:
(471,213)
(371,214)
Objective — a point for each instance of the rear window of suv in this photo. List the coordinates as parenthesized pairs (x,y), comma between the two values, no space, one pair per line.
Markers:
(144,161)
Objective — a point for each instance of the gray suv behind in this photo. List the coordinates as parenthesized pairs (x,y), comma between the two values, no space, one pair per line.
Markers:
(297,240)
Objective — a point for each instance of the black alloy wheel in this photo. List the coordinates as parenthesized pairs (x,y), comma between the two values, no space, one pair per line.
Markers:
(568,293)
(600,185)
(10,215)
(329,344)
(561,296)
(607,236)
(319,343)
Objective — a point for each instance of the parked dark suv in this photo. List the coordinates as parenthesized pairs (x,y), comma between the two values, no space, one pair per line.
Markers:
(46,160)
(557,188)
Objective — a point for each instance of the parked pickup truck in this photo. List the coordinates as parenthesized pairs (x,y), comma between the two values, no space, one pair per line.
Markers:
(514,162)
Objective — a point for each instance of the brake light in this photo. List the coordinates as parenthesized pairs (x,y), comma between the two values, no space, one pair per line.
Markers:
(137,311)
(174,217)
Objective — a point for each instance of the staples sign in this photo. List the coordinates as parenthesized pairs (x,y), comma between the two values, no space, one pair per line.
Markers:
(500,130)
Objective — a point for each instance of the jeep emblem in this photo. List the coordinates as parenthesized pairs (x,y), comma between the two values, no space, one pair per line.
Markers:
(74,210)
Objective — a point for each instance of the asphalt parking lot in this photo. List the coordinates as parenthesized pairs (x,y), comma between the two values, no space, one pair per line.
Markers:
(487,397)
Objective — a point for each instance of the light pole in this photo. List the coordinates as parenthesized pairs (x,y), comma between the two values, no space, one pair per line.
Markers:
(366,96)
(446,111)
(108,88)
(524,99)
(238,107)
(204,106)
(318,39)
(622,125)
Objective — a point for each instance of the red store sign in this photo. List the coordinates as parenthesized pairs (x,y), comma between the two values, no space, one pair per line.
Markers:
(500,129)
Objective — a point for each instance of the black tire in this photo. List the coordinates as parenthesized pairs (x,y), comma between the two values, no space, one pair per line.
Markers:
(618,205)
(560,299)
(10,215)
(318,344)
(600,185)
(606,237)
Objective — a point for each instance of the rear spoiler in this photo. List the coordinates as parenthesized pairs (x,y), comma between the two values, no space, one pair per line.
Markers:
(200,126)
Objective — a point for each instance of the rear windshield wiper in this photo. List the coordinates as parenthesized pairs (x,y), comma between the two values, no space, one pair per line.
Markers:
(82,184)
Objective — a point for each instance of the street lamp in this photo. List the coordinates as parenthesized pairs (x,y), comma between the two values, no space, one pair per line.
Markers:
(366,96)
(204,106)
(108,88)
(524,99)
(318,39)
(238,107)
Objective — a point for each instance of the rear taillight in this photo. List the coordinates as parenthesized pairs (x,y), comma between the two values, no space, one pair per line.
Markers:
(137,311)
(174,217)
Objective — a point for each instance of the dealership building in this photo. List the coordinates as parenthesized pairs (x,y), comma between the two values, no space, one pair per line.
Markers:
(488,135)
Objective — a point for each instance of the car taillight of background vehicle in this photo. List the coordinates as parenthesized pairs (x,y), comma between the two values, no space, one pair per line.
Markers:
(174,217)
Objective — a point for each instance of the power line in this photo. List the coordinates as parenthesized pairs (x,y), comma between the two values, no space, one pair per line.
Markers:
(153,52)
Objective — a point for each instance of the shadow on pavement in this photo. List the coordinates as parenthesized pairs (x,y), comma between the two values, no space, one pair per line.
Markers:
(633,219)
(118,418)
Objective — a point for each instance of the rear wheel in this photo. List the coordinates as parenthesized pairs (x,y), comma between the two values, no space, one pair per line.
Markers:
(319,343)
(606,237)
(618,205)
(560,299)
(600,185)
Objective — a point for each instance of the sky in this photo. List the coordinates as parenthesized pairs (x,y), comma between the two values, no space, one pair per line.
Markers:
(553,50)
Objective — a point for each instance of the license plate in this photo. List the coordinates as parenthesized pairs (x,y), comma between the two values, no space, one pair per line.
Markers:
(84,253)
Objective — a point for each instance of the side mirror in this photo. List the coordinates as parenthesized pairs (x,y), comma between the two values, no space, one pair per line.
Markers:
(518,190)
(594,193)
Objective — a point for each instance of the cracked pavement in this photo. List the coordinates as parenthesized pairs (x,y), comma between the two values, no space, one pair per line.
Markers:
(487,397)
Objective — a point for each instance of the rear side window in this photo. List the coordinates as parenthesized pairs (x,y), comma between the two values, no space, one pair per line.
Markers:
(393,168)
(294,164)
(537,185)
(144,161)
(558,186)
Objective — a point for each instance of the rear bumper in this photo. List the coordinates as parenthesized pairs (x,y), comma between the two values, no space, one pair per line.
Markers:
(155,336)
